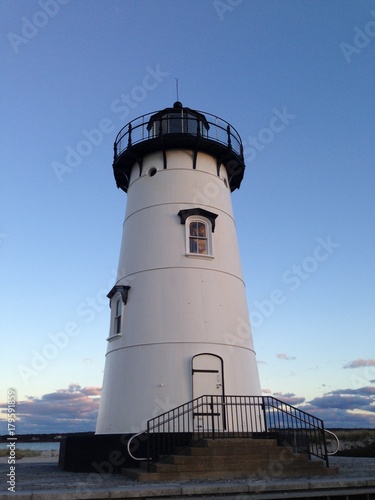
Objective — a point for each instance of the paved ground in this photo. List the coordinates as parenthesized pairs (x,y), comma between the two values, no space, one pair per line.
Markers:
(44,481)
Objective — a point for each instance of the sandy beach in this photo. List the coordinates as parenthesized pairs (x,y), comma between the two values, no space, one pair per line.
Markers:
(46,456)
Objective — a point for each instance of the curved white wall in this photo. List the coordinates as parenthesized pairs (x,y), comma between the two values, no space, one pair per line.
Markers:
(178,305)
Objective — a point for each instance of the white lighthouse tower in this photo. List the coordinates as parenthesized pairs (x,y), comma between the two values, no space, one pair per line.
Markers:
(179,318)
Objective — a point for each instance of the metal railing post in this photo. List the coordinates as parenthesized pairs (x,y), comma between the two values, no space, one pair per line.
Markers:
(229,139)
(264,414)
(198,128)
(325,446)
(129,135)
(148,447)
(212,416)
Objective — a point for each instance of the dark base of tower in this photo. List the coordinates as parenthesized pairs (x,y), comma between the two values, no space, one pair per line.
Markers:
(104,453)
(258,456)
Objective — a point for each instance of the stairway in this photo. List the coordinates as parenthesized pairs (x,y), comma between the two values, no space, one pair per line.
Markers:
(225,458)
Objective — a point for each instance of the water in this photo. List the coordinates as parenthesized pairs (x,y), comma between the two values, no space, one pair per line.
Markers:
(35,446)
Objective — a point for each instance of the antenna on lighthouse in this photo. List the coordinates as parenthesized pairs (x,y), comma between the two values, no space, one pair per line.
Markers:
(176,88)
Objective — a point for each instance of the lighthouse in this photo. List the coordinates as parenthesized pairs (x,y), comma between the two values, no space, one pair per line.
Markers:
(179,324)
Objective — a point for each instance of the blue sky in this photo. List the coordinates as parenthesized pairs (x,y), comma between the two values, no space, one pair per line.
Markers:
(296,79)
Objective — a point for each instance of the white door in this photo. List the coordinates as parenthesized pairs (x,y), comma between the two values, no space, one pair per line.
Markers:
(207,370)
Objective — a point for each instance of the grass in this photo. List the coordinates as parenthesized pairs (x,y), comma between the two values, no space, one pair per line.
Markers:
(363,442)
(354,434)
(21,453)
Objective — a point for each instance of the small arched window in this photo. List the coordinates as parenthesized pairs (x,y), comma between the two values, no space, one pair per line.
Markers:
(118,297)
(118,315)
(198,237)
(199,226)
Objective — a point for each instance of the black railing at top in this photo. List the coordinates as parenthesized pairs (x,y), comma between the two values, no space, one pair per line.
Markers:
(197,123)
(233,417)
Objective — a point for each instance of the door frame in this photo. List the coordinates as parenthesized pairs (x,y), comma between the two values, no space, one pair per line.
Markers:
(193,370)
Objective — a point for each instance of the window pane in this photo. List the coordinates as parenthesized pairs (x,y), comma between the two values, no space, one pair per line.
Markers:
(201,229)
(175,123)
(198,242)
(118,316)
(193,228)
(118,307)
(191,125)
(202,246)
(193,245)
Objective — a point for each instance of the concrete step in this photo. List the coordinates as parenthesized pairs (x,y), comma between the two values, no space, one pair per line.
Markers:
(183,476)
(203,452)
(234,465)
(287,472)
(234,451)
(231,459)
(238,442)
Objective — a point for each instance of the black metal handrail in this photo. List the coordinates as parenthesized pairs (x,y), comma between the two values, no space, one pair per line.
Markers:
(215,129)
(212,416)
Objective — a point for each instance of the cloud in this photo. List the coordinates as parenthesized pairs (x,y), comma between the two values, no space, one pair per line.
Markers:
(339,401)
(344,407)
(339,418)
(282,355)
(347,408)
(289,398)
(73,409)
(92,391)
(358,363)
(363,391)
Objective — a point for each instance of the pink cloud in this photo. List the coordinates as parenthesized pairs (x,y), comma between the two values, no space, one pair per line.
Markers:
(282,355)
(289,398)
(357,363)
(71,409)
(92,391)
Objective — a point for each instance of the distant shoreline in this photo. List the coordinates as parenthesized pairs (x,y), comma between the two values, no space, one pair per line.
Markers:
(42,438)
(58,436)
(356,442)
